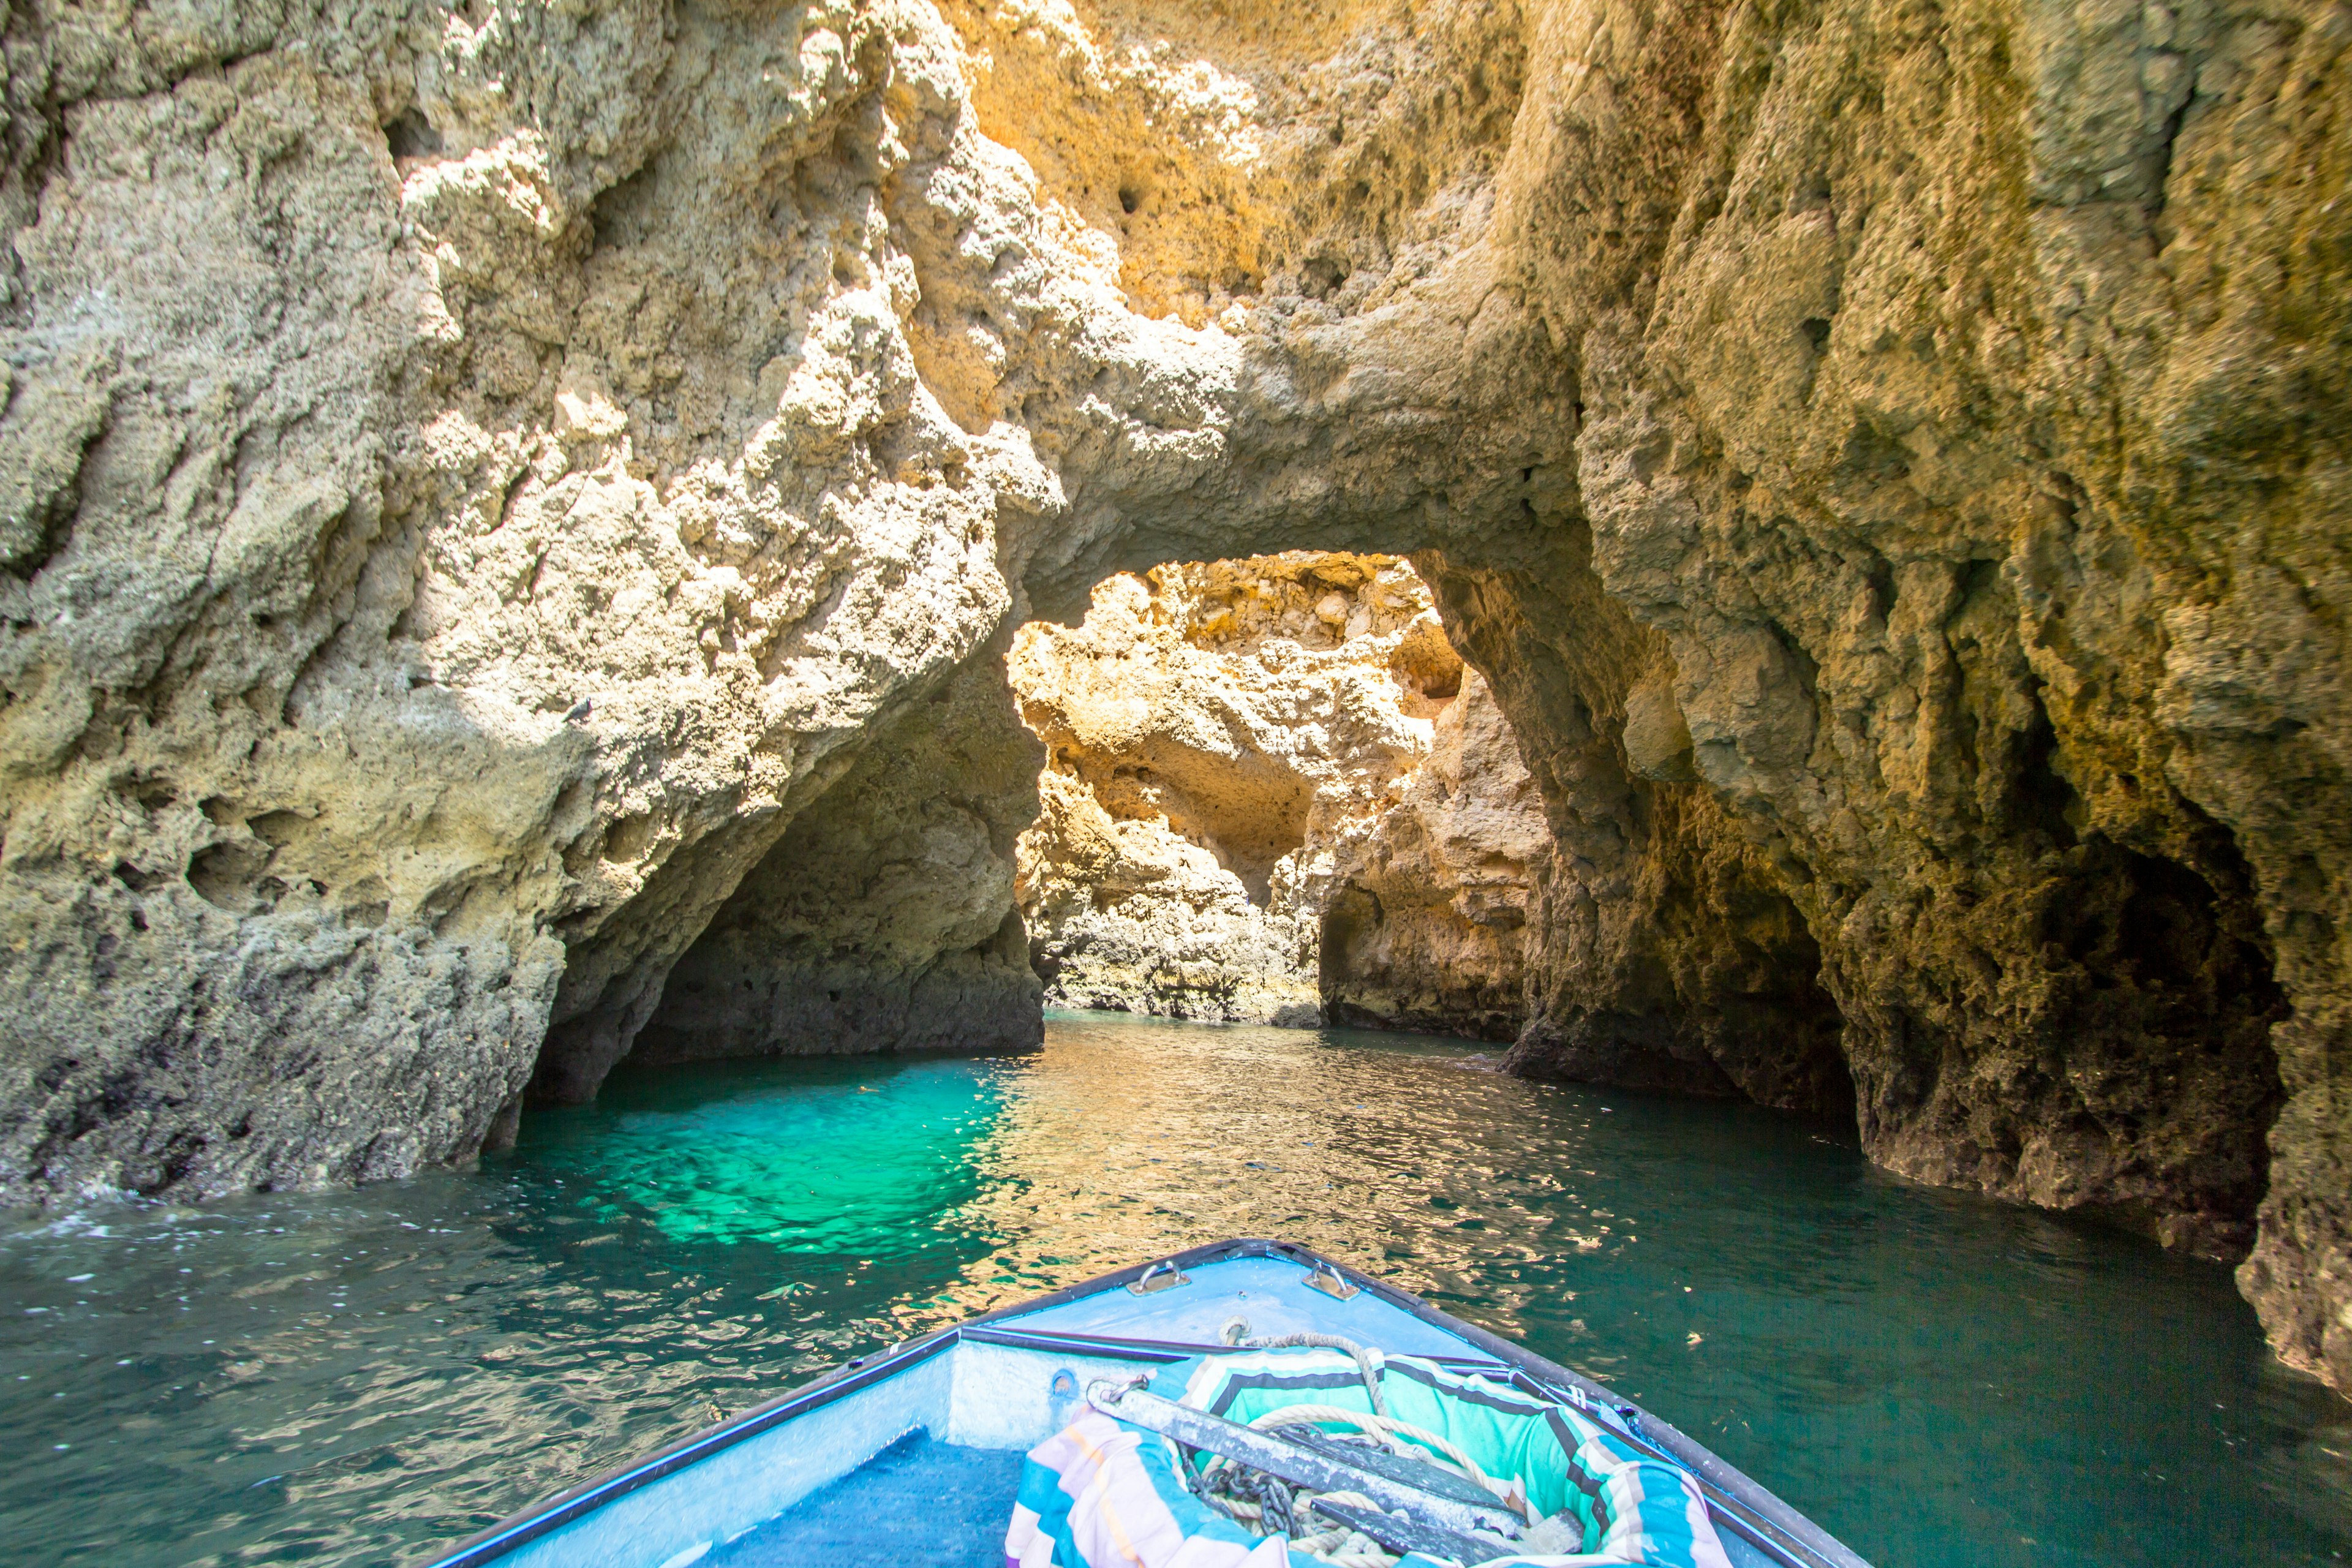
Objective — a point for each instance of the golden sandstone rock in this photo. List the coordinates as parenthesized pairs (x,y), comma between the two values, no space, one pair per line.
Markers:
(473,483)
(1271,792)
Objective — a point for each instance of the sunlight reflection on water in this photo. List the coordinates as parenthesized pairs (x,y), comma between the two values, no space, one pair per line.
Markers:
(355,1377)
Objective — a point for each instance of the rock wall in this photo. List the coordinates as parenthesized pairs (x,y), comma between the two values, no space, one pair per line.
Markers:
(1923,426)
(1238,750)
(1426,923)
(471,478)
(1667,953)
(882,920)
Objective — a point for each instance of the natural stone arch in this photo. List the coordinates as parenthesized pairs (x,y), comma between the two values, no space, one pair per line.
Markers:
(601,423)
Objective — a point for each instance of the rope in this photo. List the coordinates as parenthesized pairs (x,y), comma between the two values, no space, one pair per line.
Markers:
(1278,1510)
(1342,1547)
(1383,1428)
(1237,1331)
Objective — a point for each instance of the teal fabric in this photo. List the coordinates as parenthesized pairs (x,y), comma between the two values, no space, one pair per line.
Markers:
(1511,1436)
(1630,1507)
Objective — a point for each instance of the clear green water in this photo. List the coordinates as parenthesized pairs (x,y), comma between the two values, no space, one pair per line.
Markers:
(359,1377)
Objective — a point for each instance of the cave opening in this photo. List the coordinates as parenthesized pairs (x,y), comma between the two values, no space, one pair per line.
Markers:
(1266,789)
(1331,788)
(1155,810)
(1270,790)
(2170,995)
(1242,755)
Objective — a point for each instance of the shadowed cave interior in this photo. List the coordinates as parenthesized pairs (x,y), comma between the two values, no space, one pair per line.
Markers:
(1276,790)
(1785,554)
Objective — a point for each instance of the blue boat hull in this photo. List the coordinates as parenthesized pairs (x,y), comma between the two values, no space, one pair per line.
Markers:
(912,1456)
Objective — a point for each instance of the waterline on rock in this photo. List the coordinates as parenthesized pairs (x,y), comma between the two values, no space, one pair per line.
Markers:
(1938,1379)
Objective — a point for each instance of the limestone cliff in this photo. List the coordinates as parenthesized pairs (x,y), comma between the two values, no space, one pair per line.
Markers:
(1240,754)
(472,478)
(1426,926)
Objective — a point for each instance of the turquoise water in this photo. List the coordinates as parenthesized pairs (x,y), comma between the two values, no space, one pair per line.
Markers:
(358,1377)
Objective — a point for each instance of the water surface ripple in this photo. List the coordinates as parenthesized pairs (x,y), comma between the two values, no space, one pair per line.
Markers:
(1942,1381)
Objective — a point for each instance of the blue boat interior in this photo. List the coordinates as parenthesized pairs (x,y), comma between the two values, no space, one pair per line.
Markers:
(1272,1293)
(916,1460)
(920,1501)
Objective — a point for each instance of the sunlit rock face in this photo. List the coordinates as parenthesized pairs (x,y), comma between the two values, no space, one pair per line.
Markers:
(1426,927)
(1243,753)
(472,480)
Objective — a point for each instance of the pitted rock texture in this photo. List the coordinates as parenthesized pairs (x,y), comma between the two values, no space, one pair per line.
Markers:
(471,478)
(1237,747)
(1424,925)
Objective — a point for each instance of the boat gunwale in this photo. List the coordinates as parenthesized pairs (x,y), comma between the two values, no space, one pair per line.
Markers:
(1759,1515)
(1164,1350)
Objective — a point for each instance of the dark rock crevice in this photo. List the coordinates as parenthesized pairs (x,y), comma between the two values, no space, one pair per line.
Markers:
(883,919)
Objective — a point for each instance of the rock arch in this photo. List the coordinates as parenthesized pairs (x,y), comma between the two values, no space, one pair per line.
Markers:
(476,483)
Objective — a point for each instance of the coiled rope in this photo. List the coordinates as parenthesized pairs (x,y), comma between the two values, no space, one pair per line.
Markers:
(1236,1333)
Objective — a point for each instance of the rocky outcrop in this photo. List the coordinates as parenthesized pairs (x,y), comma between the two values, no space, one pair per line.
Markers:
(1243,752)
(1129,915)
(1666,954)
(1894,446)
(1424,925)
(471,481)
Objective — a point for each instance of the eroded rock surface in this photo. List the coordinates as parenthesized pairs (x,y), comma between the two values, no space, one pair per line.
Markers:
(1243,753)
(1426,926)
(472,478)
(882,920)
